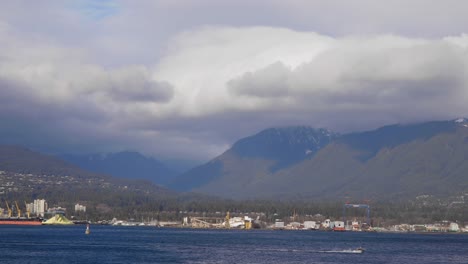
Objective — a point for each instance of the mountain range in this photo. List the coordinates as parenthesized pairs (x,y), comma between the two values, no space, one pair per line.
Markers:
(29,174)
(129,165)
(392,162)
(266,152)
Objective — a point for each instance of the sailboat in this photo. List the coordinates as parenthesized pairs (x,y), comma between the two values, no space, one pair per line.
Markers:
(87,230)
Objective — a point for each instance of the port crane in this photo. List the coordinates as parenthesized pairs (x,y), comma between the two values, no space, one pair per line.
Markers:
(18,210)
(365,206)
(8,208)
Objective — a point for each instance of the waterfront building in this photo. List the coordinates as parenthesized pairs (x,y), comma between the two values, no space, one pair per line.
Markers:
(326,224)
(56,211)
(80,208)
(279,224)
(310,225)
(453,227)
(30,207)
(40,207)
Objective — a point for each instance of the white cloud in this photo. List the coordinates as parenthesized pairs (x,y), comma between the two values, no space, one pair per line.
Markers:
(156,77)
(271,81)
(268,69)
(218,84)
(202,62)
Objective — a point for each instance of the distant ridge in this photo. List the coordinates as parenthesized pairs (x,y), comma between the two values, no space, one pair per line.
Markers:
(18,159)
(32,175)
(22,160)
(392,162)
(394,135)
(129,165)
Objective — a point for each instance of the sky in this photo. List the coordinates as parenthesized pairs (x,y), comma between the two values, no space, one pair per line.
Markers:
(185,79)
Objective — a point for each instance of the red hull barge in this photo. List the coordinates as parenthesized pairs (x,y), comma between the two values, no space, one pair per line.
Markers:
(20,221)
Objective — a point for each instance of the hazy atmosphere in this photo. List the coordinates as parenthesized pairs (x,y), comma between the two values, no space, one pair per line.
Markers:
(185,79)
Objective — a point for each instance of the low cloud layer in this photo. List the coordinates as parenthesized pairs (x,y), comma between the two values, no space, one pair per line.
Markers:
(344,83)
(212,85)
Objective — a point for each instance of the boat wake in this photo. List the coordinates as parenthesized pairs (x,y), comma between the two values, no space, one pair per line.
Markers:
(336,251)
(345,251)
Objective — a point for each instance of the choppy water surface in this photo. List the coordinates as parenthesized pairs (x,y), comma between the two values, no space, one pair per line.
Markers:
(107,244)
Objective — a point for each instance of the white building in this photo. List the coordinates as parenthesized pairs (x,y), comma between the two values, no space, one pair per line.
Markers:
(279,224)
(40,207)
(339,226)
(453,227)
(30,207)
(80,208)
(310,225)
(57,210)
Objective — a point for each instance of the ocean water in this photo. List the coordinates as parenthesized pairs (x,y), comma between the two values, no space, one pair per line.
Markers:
(108,244)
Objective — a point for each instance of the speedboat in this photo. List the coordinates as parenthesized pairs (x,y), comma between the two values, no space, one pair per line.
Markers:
(357,251)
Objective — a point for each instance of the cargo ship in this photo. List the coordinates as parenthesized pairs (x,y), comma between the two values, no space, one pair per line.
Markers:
(20,221)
